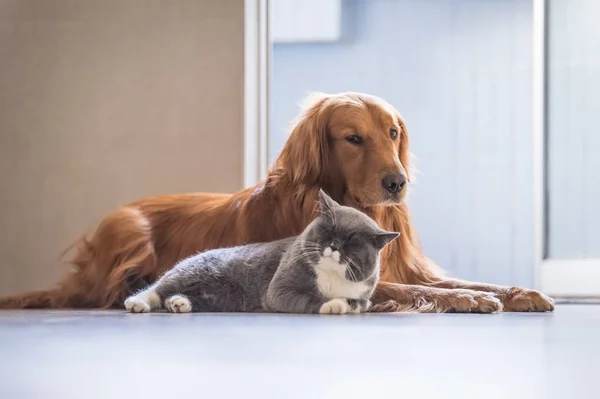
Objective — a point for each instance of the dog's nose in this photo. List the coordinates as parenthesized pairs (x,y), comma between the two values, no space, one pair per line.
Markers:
(394,182)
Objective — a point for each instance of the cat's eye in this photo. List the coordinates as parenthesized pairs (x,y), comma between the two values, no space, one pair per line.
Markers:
(393,134)
(354,139)
(327,230)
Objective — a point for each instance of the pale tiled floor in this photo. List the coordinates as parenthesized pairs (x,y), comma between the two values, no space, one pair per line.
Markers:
(68,354)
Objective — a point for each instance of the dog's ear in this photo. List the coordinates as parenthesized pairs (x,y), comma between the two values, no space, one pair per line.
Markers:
(306,152)
(404,151)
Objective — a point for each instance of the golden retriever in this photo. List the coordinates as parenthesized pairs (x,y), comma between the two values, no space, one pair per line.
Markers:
(355,147)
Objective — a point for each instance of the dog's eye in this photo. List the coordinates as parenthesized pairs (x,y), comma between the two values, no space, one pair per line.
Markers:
(354,139)
(393,134)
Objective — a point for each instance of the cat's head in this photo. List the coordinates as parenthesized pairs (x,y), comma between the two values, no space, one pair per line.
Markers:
(348,237)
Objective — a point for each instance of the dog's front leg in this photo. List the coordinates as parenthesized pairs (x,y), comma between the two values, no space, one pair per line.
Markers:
(514,299)
(390,297)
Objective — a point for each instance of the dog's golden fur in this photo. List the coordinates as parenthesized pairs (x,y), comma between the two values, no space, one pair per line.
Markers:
(135,244)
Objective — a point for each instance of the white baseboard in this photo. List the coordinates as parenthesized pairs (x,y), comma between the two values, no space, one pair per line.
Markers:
(570,277)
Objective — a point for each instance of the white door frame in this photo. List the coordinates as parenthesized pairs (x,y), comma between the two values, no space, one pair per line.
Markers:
(257,56)
(556,277)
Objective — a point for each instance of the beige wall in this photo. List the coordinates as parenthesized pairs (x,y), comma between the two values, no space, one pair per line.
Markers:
(103,102)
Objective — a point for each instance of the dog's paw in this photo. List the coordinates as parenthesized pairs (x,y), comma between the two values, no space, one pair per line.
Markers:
(487,303)
(463,300)
(178,304)
(135,304)
(335,306)
(459,301)
(524,300)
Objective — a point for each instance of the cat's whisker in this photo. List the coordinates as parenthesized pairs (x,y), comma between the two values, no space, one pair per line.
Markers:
(312,249)
(349,269)
(351,274)
(303,256)
(310,243)
(351,266)
(311,246)
(362,271)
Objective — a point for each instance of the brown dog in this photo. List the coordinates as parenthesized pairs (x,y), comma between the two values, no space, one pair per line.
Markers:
(355,147)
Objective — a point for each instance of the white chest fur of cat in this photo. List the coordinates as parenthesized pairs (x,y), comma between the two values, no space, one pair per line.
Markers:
(332,283)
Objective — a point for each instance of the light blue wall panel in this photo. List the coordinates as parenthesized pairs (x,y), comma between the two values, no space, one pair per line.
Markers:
(460,73)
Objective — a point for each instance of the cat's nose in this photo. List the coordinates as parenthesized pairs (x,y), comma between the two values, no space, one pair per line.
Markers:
(333,248)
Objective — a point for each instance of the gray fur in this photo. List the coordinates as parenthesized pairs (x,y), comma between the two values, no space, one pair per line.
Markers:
(280,276)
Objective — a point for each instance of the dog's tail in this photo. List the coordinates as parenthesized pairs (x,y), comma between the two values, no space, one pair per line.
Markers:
(32,300)
(50,298)
(68,292)
(116,261)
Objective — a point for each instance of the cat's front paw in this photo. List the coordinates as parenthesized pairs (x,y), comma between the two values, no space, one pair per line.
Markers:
(335,306)
(135,304)
(178,304)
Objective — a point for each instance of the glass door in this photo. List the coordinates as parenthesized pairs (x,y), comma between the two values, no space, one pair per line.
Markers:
(571,250)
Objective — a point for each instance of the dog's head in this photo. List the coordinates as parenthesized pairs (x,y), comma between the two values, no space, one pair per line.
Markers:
(351,143)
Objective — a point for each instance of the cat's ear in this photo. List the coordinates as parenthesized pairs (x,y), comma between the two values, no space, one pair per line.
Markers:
(383,238)
(326,202)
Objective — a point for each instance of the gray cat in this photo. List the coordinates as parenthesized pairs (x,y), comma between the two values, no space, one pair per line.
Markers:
(332,267)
